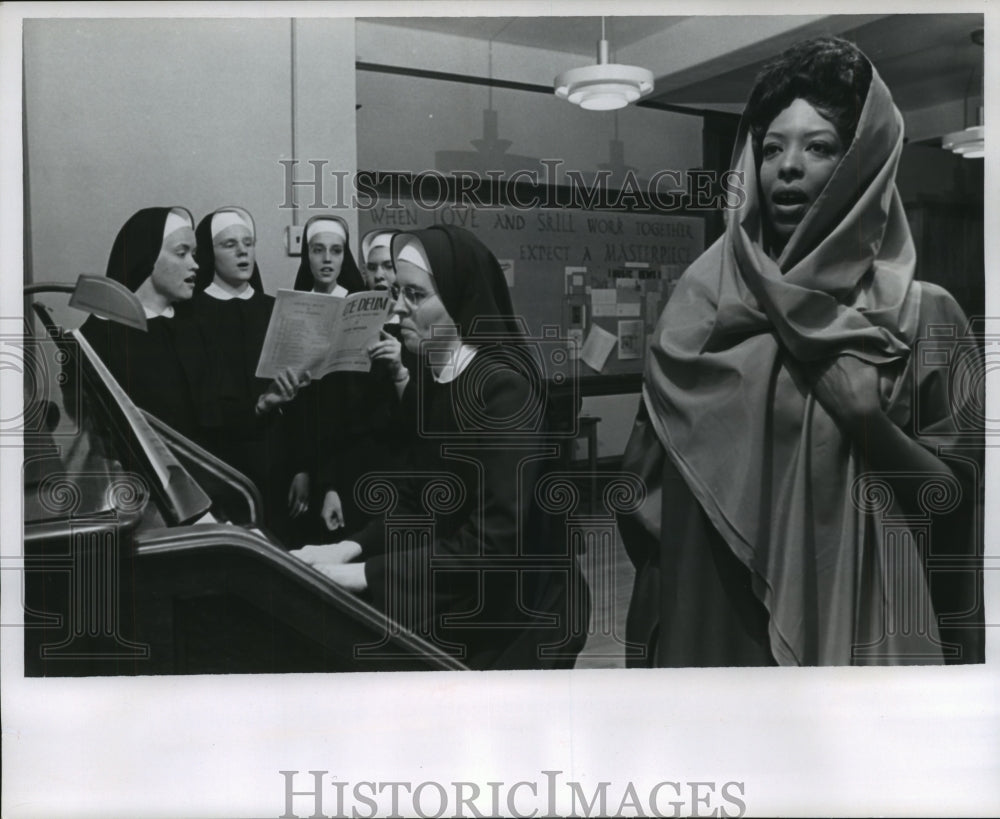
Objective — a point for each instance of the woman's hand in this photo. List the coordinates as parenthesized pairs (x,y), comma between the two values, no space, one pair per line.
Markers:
(333,511)
(848,389)
(333,560)
(283,389)
(388,350)
(298,495)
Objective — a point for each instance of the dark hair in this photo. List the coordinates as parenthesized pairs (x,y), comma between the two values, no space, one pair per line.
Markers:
(829,73)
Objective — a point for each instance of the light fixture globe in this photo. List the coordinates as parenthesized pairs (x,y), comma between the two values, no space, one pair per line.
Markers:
(970,143)
(605,86)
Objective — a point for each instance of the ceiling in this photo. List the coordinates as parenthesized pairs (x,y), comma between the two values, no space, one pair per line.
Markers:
(925,59)
(571,35)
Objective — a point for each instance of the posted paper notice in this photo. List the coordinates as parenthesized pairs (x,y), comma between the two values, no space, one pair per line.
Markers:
(597,347)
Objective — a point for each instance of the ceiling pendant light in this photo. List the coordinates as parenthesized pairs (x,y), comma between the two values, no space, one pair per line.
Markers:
(970,142)
(605,86)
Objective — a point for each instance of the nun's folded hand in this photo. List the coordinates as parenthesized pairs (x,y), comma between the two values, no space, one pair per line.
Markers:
(389,351)
(298,495)
(329,553)
(282,389)
(848,389)
(334,560)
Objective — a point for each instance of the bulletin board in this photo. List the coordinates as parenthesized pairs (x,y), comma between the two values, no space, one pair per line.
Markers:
(602,278)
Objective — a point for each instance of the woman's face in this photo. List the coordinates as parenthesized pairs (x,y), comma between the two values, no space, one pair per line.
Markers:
(234,255)
(418,306)
(800,152)
(379,272)
(326,256)
(173,274)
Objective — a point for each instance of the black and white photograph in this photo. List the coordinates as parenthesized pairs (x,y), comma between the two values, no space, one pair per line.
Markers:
(630,358)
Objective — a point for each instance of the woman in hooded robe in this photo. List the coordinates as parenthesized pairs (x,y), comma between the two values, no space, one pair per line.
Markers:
(476,443)
(340,417)
(232,311)
(154,256)
(787,424)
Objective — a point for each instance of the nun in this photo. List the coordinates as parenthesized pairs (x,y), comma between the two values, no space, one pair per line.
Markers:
(231,312)
(340,418)
(371,401)
(154,256)
(327,264)
(470,586)
(379,272)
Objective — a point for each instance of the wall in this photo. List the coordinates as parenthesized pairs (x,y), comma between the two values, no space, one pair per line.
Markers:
(927,172)
(935,120)
(943,197)
(418,124)
(124,114)
(325,99)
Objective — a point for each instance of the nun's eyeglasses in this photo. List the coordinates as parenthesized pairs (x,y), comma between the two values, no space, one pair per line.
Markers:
(413,296)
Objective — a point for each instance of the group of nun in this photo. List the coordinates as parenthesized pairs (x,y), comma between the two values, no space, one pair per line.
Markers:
(307,444)
(803,472)
(194,368)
